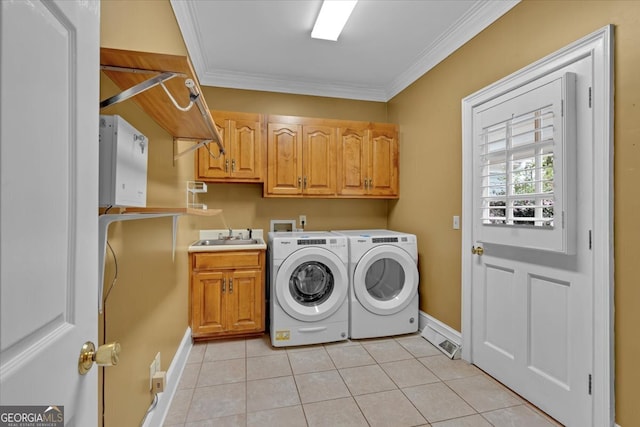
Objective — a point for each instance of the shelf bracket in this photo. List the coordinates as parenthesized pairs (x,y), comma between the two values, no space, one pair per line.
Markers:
(138,89)
(177,155)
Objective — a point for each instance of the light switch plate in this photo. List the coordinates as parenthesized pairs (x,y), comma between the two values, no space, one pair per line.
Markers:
(456,222)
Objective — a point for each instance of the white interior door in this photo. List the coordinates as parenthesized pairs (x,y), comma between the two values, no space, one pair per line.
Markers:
(533,206)
(49,226)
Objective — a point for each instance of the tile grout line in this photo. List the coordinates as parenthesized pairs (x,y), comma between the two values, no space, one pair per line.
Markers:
(414,358)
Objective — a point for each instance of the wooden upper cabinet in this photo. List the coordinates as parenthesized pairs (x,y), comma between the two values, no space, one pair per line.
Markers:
(383,161)
(242,141)
(353,169)
(368,160)
(331,158)
(284,159)
(319,160)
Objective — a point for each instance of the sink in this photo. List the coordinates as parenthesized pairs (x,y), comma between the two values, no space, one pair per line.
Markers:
(226,242)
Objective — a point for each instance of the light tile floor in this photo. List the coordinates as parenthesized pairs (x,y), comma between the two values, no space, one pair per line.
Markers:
(391,382)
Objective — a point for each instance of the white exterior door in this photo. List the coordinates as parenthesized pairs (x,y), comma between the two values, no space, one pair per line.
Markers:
(529,306)
(49,225)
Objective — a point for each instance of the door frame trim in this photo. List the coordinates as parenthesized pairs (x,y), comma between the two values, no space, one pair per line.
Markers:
(598,45)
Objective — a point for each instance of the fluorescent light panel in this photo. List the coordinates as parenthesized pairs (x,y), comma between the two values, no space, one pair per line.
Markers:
(332,18)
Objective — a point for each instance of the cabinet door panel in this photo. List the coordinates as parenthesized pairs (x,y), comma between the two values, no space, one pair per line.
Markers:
(208,308)
(319,154)
(284,174)
(245,297)
(246,160)
(352,161)
(206,165)
(384,163)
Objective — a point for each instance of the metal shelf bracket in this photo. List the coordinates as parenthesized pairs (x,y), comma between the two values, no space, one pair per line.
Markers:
(194,96)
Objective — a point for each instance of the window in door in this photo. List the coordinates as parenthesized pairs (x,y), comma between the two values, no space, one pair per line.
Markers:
(525,152)
(518,170)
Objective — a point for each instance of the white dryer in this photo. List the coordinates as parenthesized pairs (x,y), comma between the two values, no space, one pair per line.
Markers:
(308,288)
(383,273)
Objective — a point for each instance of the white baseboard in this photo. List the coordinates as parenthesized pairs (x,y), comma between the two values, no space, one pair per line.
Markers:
(159,413)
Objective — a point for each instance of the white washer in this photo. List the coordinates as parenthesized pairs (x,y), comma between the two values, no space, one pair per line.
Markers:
(383,273)
(309,286)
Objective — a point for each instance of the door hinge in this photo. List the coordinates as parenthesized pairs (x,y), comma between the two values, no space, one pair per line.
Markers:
(562,219)
(590,384)
(562,108)
(590,241)
(589,97)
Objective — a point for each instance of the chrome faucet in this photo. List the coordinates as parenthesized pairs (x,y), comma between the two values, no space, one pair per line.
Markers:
(230,233)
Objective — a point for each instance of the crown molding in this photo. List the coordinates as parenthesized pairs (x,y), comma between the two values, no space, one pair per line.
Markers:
(480,16)
(269,83)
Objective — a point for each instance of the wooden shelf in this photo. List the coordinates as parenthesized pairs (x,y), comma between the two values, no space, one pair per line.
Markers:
(176,211)
(155,102)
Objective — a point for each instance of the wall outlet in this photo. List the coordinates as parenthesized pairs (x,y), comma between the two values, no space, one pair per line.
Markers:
(158,382)
(153,369)
(303,221)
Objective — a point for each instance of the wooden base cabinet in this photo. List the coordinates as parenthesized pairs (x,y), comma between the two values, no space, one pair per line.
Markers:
(227,295)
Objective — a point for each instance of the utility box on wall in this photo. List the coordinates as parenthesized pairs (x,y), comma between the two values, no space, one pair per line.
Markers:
(123,163)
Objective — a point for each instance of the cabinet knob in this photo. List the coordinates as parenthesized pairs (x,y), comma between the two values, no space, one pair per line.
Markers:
(233,165)
(224,285)
(226,165)
(299,182)
(230,286)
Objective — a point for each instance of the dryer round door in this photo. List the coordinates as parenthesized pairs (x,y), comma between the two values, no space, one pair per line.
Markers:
(385,280)
(311,284)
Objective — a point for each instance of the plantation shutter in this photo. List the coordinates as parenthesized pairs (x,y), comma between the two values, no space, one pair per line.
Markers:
(524,153)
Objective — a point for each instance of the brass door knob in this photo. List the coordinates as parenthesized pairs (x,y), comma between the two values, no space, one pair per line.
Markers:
(479,250)
(106,355)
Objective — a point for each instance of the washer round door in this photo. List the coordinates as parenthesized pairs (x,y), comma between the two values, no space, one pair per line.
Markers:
(385,280)
(311,284)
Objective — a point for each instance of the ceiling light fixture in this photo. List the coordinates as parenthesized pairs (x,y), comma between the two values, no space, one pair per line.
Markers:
(332,18)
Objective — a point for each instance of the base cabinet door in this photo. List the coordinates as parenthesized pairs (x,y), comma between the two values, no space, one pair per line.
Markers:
(245,310)
(207,316)
(227,296)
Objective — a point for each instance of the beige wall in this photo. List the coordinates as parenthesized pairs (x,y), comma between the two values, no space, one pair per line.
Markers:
(429,114)
(147,308)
